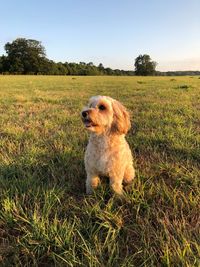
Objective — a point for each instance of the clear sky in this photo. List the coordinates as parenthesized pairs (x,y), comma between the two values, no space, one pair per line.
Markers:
(112,32)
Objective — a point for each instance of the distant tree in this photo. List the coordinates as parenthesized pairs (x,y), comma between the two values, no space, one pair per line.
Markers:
(101,69)
(100,66)
(46,67)
(4,64)
(73,67)
(117,72)
(109,71)
(1,64)
(90,64)
(67,67)
(144,66)
(25,56)
(62,70)
(82,63)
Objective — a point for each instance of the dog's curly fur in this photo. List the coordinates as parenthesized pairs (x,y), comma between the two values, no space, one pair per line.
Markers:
(107,153)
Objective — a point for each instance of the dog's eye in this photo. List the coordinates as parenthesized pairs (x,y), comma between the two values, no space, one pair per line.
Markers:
(102,107)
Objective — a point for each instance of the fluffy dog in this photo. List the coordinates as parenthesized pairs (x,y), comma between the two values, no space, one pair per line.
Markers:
(107,153)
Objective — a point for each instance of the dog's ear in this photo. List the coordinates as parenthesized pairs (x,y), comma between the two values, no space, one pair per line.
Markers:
(121,119)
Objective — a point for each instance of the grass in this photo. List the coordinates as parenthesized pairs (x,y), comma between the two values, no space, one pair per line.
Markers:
(45,217)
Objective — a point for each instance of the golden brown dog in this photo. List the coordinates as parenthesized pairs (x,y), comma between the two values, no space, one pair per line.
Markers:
(107,153)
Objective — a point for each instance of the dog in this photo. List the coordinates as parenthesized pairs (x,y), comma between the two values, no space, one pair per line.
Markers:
(107,153)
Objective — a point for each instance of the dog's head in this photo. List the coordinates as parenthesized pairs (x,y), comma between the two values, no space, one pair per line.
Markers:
(105,115)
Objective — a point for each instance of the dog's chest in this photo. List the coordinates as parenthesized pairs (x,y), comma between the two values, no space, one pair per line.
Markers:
(99,156)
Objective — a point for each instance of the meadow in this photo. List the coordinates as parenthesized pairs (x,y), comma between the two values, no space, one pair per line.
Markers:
(46,219)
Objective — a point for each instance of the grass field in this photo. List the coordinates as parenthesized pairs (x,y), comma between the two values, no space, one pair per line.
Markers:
(45,217)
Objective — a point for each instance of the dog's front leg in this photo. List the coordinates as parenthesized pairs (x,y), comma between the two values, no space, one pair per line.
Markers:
(92,182)
(116,185)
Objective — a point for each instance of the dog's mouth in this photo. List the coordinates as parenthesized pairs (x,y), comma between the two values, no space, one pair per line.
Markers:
(89,123)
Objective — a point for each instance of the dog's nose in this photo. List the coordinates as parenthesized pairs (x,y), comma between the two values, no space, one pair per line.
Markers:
(84,114)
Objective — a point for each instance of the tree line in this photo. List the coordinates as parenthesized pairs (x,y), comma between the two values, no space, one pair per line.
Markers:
(28,56)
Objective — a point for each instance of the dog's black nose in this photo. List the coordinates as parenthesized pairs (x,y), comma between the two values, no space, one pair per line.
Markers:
(84,114)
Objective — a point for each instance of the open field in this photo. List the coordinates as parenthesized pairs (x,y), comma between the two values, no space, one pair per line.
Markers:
(45,217)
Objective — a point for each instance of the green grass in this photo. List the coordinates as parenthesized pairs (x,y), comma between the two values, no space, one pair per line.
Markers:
(45,217)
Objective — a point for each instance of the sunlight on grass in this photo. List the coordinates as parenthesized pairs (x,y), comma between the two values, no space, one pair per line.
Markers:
(45,217)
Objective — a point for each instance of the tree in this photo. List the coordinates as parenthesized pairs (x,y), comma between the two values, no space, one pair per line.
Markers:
(1,65)
(144,66)
(101,68)
(25,56)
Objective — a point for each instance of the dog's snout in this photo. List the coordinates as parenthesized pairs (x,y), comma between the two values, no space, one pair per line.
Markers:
(84,114)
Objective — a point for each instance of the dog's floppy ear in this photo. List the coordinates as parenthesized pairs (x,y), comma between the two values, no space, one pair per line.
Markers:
(121,119)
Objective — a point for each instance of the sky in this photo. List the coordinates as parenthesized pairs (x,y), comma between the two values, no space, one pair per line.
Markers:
(111,32)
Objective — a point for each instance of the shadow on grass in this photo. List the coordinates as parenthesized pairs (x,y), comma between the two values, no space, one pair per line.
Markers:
(144,145)
(61,170)
(180,153)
